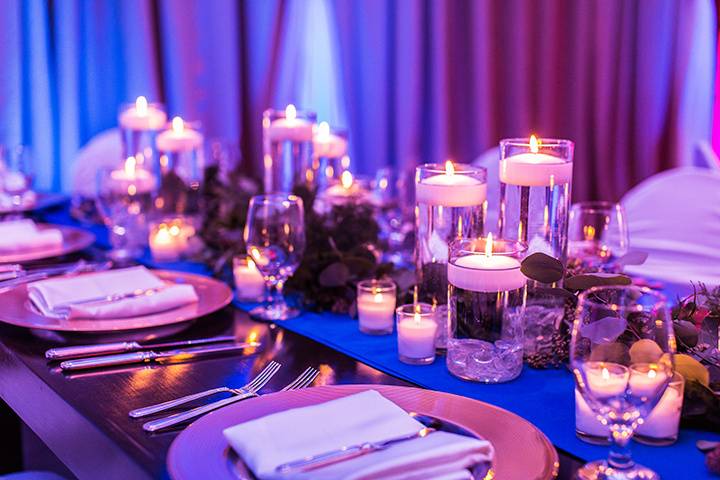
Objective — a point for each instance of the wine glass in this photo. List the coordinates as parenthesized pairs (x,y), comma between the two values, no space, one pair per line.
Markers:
(275,240)
(16,176)
(597,233)
(621,354)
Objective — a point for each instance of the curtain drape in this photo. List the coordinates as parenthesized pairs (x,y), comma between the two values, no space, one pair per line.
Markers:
(413,80)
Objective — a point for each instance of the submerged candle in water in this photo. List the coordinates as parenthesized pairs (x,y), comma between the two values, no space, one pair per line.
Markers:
(535,168)
(450,189)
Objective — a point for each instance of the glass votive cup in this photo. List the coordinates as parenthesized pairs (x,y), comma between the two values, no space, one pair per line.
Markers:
(249,282)
(169,238)
(662,425)
(376,306)
(417,330)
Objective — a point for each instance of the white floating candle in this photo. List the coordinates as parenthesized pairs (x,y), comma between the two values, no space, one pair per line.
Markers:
(486,272)
(179,138)
(376,312)
(131,180)
(327,144)
(605,379)
(249,281)
(535,169)
(290,128)
(142,116)
(451,189)
(646,380)
(416,337)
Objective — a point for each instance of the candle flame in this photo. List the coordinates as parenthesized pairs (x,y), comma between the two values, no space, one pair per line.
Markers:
(130,164)
(178,125)
(534,144)
(488,245)
(290,112)
(416,317)
(324,130)
(174,230)
(589,232)
(346,179)
(378,297)
(449,168)
(605,374)
(251,264)
(652,374)
(141,105)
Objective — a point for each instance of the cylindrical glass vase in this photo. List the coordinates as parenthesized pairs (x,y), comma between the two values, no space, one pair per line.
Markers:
(450,203)
(287,149)
(329,157)
(487,294)
(535,180)
(139,124)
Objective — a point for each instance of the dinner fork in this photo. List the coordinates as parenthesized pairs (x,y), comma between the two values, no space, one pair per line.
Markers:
(303,380)
(259,381)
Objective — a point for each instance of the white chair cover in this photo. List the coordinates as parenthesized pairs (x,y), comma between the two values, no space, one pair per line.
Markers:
(491,160)
(675,217)
(103,150)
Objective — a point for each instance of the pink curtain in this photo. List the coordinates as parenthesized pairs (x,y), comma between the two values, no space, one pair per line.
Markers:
(626,80)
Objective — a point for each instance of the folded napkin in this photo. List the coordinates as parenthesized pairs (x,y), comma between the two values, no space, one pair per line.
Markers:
(273,440)
(70,297)
(25,235)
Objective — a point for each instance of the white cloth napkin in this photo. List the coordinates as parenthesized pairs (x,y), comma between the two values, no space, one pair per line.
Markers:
(63,297)
(273,440)
(25,235)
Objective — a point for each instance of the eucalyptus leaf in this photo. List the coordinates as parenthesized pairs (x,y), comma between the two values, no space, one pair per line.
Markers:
(334,275)
(557,292)
(404,279)
(542,268)
(359,266)
(604,330)
(633,257)
(686,332)
(589,280)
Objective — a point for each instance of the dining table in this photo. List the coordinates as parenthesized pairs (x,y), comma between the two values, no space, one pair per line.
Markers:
(81,419)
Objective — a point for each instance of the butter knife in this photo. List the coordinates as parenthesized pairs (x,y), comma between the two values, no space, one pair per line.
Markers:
(153,356)
(346,453)
(62,353)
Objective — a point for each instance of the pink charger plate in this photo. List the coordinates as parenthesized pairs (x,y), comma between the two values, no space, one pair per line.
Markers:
(212,296)
(522,451)
(74,240)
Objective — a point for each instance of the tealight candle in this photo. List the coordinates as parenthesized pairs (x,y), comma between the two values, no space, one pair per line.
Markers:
(450,189)
(417,330)
(328,144)
(169,240)
(376,306)
(142,116)
(290,127)
(647,379)
(534,168)
(662,425)
(179,138)
(249,281)
(132,180)
(486,273)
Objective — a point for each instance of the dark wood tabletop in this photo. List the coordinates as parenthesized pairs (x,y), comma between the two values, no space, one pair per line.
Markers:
(83,418)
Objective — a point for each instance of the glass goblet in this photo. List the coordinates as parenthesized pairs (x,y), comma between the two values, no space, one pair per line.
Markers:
(275,240)
(621,354)
(597,233)
(16,176)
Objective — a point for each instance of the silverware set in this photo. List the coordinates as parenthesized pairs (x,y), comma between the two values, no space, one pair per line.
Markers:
(250,390)
(12,275)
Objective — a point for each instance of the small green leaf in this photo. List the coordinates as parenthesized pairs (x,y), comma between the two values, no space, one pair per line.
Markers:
(334,275)
(583,282)
(543,268)
(557,292)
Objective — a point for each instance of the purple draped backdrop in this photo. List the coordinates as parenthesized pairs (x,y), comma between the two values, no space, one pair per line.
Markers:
(414,80)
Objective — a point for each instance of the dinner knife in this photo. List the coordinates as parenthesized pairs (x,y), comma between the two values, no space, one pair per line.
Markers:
(346,453)
(153,356)
(62,353)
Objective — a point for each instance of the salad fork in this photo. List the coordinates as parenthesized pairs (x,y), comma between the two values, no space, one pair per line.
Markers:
(302,381)
(253,386)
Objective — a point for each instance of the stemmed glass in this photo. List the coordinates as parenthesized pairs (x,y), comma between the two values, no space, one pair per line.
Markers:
(16,176)
(275,239)
(597,233)
(621,354)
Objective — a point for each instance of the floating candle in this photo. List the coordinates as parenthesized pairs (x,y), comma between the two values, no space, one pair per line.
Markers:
(452,188)
(486,272)
(131,180)
(169,240)
(328,144)
(142,116)
(179,138)
(290,128)
(535,168)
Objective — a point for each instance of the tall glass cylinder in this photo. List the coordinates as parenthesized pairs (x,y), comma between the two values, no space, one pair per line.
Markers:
(487,295)
(329,157)
(178,204)
(139,124)
(450,202)
(287,148)
(535,181)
